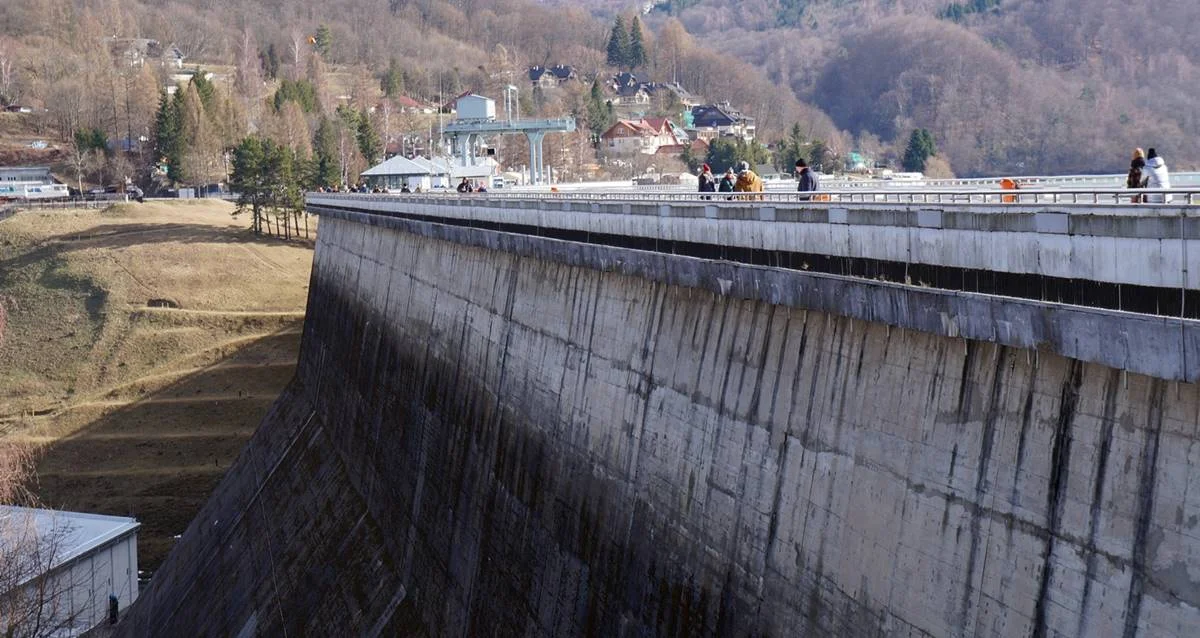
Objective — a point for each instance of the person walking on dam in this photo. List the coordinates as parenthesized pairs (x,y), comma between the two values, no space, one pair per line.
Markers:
(1157,176)
(808,179)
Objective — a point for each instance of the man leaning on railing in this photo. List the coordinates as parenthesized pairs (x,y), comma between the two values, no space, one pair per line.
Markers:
(808,179)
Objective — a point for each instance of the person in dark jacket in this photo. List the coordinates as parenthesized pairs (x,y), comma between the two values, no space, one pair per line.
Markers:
(1137,169)
(808,179)
(728,181)
(708,183)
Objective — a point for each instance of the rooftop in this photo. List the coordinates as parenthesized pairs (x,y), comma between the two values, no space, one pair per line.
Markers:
(76,533)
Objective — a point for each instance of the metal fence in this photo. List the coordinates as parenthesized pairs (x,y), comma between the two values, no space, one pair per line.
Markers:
(1149,198)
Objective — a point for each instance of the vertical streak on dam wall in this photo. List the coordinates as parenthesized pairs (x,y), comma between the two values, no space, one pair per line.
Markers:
(479,442)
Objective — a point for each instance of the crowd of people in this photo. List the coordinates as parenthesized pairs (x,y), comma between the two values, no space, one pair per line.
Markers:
(465,186)
(348,188)
(745,180)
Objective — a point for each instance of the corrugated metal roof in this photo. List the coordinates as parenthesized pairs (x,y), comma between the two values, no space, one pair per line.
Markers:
(73,534)
(400,165)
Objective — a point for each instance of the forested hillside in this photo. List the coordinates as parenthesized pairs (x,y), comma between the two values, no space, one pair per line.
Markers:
(1004,86)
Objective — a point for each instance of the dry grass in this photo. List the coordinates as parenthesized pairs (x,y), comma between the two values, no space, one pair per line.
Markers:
(143,345)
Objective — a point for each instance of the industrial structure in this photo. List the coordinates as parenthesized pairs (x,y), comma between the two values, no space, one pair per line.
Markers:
(477,119)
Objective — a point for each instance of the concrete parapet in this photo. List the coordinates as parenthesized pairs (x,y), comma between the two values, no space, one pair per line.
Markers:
(1112,244)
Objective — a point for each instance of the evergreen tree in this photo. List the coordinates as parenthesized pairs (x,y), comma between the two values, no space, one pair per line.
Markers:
(727,152)
(91,140)
(323,40)
(599,112)
(264,175)
(326,170)
(249,180)
(920,149)
(792,148)
(691,159)
(368,140)
(167,135)
(301,92)
(618,44)
(392,80)
(205,88)
(636,53)
(270,61)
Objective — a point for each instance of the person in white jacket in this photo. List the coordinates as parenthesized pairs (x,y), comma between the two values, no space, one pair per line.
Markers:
(1157,176)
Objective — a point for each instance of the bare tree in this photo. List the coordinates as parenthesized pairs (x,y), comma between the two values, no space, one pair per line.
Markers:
(249,79)
(299,42)
(32,604)
(36,601)
(9,92)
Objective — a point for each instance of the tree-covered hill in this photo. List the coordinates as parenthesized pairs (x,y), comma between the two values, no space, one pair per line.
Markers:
(1003,86)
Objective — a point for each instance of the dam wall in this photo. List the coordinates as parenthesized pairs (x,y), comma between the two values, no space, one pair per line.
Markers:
(497,435)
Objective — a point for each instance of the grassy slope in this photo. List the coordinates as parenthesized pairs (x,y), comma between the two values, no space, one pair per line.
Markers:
(141,409)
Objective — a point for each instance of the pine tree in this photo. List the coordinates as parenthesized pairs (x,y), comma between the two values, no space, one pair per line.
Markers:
(599,111)
(618,44)
(249,180)
(327,170)
(392,81)
(323,40)
(270,61)
(791,149)
(636,56)
(368,140)
(204,87)
(264,175)
(920,149)
(167,133)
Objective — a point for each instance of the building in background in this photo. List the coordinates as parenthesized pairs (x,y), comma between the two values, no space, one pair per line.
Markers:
(646,135)
(65,570)
(550,77)
(398,172)
(710,121)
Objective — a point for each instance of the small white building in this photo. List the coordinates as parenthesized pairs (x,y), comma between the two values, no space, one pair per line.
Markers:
(65,566)
(475,107)
(416,173)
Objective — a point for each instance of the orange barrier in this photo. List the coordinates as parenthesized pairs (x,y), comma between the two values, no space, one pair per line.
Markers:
(1008,185)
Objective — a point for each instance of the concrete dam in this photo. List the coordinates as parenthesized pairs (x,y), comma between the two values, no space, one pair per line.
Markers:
(586,416)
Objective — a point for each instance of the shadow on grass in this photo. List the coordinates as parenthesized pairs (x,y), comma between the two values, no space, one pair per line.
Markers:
(159,457)
(117,236)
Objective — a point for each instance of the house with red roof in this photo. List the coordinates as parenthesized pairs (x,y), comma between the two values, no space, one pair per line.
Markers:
(646,135)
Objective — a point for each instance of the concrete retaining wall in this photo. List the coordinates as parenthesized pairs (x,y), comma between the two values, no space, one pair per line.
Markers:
(481,442)
(1113,244)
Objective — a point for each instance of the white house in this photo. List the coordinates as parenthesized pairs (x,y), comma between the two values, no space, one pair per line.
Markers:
(66,567)
(646,135)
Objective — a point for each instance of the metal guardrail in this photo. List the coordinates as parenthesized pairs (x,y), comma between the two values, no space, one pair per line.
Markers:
(1158,198)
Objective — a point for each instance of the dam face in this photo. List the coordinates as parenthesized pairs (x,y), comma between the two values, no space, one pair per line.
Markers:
(499,435)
